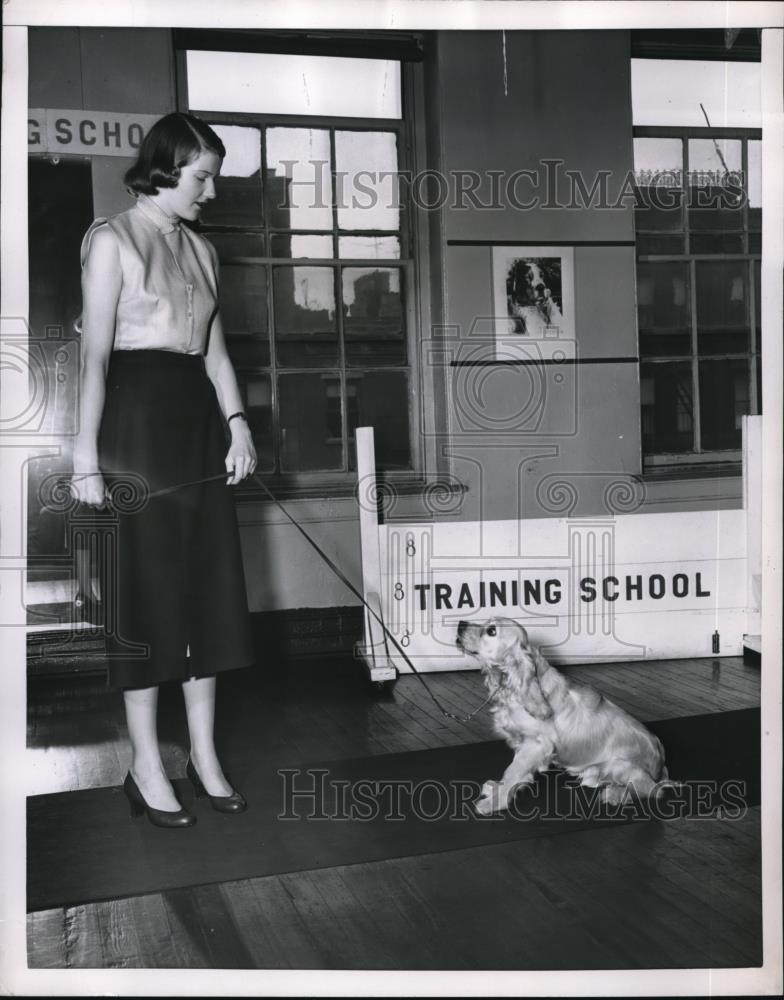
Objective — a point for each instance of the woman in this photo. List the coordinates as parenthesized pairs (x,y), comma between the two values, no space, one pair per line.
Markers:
(155,377)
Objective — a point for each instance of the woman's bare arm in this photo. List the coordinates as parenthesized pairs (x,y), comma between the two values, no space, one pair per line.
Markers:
(101,284)
(241,457)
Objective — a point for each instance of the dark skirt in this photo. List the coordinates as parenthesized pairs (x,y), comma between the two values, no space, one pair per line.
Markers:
(172,582)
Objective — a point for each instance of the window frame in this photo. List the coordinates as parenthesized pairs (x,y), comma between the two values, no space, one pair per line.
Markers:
(680,461)
(414,241)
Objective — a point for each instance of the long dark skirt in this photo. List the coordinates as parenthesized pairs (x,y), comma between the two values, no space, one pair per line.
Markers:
(172,581)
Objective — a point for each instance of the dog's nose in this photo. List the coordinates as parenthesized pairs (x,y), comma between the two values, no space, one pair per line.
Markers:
(461,627)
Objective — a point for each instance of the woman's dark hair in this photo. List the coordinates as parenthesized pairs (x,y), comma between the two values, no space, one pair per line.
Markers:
(173,141)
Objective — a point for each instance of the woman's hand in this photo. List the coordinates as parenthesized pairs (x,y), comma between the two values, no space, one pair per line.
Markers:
(88,487)
(241,458)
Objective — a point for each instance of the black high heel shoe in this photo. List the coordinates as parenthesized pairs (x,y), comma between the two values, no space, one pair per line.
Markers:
(158,817)
(233,803)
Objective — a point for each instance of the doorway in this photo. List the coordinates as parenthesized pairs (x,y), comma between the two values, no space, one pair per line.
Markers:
(60,211)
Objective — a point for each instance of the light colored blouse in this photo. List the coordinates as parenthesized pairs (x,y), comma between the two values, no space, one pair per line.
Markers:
(169,293)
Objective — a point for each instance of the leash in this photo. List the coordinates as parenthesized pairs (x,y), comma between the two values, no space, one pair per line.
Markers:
(337,571)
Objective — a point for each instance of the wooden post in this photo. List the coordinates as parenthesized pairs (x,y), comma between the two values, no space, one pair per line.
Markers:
(373,649)
(752,506)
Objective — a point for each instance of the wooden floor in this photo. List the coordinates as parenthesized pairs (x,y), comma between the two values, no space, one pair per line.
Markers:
(682,893)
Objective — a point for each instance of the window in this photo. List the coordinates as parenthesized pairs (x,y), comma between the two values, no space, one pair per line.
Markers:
(316,266)
(698,227)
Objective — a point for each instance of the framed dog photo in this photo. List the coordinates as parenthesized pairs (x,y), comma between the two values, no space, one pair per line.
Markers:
(533,296)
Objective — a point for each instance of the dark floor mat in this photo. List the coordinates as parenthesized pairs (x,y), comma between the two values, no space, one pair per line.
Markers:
(82,846)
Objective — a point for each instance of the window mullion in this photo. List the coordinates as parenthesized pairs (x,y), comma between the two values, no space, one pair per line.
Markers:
(686,195)
(753,346)
(695,369)
(744,168)
(338,292)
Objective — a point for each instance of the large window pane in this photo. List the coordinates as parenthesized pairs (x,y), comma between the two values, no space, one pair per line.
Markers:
(373,316)
(366,165)
(663,308)
(722,306)
(257,397)
(373,247)
(716,243)
(667,407)
(298,193)
(658,161)
(653,243)
(710,160)
(658,174)
(305,329)
(380,400)
(301,245)
(236,246)
(670,92)
(277,83)
(715,185)
(724,398)
(237,199)
(244,314)
(311,422)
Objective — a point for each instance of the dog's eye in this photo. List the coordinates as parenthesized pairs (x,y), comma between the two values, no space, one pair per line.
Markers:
(490,630)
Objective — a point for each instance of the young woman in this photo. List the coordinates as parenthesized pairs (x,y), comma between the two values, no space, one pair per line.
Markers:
(155,378)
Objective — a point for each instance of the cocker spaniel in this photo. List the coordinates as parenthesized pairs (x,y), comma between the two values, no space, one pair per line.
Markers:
(549,720)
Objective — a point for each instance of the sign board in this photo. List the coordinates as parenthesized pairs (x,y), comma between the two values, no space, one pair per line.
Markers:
(633,586)
(92,133)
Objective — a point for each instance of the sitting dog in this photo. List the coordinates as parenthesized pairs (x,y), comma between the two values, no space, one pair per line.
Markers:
(530,302)
(550,720)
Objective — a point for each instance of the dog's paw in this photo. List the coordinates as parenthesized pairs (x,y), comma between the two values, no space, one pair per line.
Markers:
(486,806)
(614,795)
(492,799)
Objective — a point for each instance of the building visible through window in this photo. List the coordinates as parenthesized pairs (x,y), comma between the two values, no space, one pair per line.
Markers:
(316,271)
(698,227)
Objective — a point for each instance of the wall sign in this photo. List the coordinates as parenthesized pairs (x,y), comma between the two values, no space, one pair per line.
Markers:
(92,133)
(636,586)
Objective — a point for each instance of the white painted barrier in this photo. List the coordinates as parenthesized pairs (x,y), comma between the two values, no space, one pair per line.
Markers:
(624,587)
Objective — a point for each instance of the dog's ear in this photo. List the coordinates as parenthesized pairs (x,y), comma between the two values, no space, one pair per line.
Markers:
(534,700)
(521,665)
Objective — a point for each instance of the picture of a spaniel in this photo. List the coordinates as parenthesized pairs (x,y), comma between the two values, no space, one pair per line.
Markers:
(533,292)
(549,720)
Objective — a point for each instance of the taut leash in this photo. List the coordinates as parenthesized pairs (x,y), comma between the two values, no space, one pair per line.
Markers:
(344,579)
(336,570)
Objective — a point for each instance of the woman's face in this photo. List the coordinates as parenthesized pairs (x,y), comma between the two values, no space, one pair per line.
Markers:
(195,187)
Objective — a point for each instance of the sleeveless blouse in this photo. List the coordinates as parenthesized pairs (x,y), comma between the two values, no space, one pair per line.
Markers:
(169,293)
